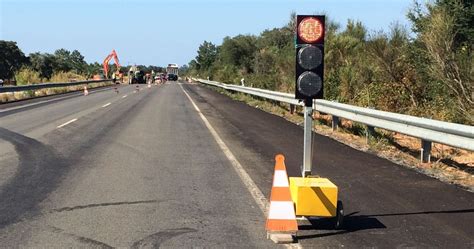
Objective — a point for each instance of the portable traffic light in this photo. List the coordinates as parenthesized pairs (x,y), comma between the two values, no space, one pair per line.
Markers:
(309,57)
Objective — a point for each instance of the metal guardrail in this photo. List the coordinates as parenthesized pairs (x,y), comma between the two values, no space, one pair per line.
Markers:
(5,89)
(428,130)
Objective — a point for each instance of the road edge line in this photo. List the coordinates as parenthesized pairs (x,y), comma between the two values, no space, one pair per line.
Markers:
(256,193)
(54,97)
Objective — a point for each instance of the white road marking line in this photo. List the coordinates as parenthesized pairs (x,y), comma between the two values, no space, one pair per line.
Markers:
(68,122)
(124,96)
(106,104)
(256,193)
(73,94)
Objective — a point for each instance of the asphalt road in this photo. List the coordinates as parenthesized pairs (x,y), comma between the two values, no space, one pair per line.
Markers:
(144,171)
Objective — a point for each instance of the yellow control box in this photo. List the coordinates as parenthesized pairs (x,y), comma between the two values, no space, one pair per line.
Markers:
(314,196)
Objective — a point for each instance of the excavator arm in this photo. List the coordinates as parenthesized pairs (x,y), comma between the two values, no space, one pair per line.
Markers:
(107,60)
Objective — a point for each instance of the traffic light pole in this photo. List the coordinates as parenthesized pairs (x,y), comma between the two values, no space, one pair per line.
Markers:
(308,148)
(309,75)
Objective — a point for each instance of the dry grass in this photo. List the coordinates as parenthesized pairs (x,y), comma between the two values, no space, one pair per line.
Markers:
(27,76)
(8,97)
(449,164)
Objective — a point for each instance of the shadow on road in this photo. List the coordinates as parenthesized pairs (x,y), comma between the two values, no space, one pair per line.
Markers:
(353,222)
(426,212)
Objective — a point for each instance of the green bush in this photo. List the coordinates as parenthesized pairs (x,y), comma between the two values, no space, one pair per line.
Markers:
(428,74)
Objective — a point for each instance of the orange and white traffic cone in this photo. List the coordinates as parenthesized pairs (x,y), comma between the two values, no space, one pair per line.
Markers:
(86,92)
(281,222)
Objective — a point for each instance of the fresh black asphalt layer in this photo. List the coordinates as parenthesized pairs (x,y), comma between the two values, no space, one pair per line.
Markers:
(386,205)
(146,172)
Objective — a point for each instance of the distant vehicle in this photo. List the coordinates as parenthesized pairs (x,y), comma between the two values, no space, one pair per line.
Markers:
(173,69)
(172,77)
(137,77)
(1,82)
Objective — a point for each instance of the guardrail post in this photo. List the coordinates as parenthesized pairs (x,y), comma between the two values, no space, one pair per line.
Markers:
(335,122)
(425,151)
(292,109)
(369,133)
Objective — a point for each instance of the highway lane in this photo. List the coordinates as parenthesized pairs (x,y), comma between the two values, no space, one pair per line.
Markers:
(146,171)
(143,171)
(386,205)
(35,117)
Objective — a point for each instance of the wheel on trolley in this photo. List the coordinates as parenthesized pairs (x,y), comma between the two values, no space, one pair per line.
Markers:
(338,220)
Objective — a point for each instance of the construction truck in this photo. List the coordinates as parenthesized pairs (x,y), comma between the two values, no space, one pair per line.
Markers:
(172,72)
(136,76)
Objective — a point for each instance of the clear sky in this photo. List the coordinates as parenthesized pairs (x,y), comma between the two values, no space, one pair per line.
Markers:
(167,31)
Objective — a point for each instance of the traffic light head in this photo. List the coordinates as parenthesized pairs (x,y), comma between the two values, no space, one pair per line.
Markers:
(309,57)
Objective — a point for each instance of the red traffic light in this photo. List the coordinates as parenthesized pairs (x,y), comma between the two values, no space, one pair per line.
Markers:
(309,48)
(310,30)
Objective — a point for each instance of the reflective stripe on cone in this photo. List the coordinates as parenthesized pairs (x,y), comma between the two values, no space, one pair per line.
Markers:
(281,215)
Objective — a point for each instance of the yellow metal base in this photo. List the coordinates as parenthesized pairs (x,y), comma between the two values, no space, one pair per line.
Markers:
(314,196)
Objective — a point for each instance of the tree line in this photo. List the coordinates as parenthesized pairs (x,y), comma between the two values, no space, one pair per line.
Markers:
(427,72)
(17,68)
(13,60)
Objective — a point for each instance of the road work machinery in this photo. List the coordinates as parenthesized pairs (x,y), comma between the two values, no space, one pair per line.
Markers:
(136,76)
(117,73)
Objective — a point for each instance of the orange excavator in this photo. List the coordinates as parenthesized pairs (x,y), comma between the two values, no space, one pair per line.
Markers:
(117,64)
